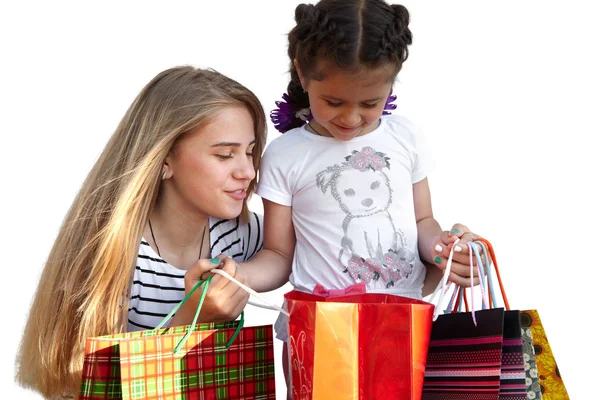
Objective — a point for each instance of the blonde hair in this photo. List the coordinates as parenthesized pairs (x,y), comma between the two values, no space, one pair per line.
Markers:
(84,287)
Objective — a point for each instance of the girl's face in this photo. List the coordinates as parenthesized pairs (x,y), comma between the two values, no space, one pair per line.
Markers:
(347,104)
(209,170)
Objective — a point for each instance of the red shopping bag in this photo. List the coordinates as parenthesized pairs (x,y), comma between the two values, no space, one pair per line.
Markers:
(358,347)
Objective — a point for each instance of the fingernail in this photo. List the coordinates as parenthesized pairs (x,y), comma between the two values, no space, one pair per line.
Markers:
(455,231)
(437,260)
(215,261)
(438,248)
(457,249)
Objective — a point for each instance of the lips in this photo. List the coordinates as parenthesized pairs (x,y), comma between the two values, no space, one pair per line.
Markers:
(239,194)
(347,129)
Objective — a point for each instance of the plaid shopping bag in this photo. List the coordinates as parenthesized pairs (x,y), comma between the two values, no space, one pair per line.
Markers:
(198,361)
(546,378)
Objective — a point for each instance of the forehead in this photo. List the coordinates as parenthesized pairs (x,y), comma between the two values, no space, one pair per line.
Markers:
(230,124)
(360,82)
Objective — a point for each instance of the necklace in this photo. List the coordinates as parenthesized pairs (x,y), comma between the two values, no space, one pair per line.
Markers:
(313,130)
(156,244)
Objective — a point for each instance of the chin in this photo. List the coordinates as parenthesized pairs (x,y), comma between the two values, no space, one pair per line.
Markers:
(229,213)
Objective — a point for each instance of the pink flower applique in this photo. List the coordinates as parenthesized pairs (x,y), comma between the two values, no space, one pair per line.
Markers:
(368,158)
(358,269)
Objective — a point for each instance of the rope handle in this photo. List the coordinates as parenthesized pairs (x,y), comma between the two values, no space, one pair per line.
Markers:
(190,329)
(443,286)
(224,274)
(459,295)
(268,305)
(490,250)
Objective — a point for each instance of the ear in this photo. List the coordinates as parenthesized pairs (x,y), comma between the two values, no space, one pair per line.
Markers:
(166,172)
(325,178)
(300,75)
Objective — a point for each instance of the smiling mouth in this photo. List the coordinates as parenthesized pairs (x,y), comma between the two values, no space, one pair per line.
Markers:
(370,209)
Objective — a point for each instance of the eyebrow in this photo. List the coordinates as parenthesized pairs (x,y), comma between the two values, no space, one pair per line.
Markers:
(231,144)
(362,101)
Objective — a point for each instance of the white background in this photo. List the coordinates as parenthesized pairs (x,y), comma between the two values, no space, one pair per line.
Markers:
(507,93)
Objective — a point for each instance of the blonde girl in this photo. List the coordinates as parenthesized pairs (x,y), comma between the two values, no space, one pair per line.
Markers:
(170,187)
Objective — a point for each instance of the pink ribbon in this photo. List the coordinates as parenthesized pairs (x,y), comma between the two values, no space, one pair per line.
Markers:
(357,288)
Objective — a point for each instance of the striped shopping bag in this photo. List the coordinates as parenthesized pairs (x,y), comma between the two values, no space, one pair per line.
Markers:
(476,355)
(198,361)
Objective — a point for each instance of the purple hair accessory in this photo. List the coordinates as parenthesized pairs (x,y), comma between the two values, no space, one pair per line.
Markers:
(389,105)
(285,115)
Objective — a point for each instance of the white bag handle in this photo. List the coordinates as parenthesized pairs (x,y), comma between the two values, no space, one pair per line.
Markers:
(267,304)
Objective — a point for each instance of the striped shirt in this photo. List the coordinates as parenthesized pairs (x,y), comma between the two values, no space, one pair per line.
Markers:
(158,286)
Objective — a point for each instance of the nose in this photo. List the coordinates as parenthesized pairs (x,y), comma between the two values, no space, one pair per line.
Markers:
(351,117)
(367,202)
(245,169)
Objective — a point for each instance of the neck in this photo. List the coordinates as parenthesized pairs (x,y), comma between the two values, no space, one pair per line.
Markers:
(178,233)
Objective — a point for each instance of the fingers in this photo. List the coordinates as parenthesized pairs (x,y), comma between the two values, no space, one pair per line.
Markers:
(201,269)
(464,281)
(457,267)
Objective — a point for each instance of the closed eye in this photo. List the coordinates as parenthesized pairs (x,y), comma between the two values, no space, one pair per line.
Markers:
(370,105)
(333,104)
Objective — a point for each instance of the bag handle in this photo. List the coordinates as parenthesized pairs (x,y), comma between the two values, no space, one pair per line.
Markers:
(190,329)
(490,249)
(224,274)
(459,295)
(443,286)
(268,305)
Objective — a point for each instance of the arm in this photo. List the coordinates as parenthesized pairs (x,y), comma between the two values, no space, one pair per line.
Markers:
(268,270)
(428,229)
(271,267)
(432,239)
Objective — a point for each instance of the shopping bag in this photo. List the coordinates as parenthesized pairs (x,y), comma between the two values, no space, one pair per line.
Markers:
(357,347)
(533,388)
(198,361)
(464,360)
(512,371)
(475,354)
(545,378)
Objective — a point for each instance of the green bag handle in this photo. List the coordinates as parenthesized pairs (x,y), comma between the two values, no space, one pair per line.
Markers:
(191,327)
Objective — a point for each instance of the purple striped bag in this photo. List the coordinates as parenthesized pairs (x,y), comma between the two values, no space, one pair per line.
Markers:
(464,360)
(477,354)
(512,372)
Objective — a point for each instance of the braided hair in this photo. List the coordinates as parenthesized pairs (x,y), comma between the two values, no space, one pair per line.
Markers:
(352,34)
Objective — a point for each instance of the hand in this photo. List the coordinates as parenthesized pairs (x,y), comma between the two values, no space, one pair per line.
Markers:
(224,299)
(460,271)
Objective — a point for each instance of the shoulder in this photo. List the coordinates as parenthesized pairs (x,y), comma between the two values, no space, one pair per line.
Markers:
(287,141)
(403,130)
(242,238)
(400,125)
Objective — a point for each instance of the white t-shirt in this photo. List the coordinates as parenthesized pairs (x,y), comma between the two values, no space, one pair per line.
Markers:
(158,286)
(352,205)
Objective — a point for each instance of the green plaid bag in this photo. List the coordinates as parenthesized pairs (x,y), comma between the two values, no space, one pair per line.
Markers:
(198,361)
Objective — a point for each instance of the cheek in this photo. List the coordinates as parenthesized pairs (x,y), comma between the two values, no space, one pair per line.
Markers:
(373,114)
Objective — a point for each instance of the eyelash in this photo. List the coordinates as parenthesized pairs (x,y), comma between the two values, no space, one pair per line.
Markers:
(227,157)
(332,104)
